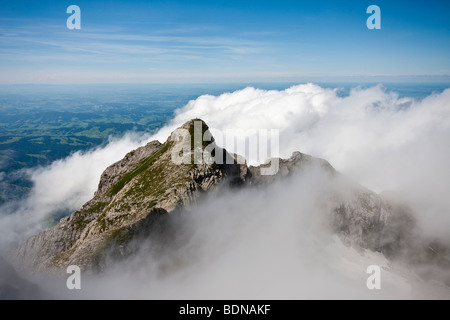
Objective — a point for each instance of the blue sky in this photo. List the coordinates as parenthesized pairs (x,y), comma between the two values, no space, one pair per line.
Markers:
(222,41)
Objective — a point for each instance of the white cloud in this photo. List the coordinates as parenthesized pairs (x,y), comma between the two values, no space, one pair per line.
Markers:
(380,140)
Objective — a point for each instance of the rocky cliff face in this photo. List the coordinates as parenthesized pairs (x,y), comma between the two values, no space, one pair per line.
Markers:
(147,184)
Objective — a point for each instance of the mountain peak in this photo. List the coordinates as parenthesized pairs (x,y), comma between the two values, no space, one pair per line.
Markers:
(193,127)
(191,123)
(149,181)
(188,142)
(158,179)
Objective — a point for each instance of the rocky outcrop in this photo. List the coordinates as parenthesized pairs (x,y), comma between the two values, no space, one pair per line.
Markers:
(144,184)
(288,167)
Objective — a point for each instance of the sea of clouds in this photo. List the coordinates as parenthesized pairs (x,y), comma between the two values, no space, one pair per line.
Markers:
(384,142)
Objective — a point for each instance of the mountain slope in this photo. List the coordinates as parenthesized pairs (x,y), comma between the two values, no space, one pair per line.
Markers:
(143,185)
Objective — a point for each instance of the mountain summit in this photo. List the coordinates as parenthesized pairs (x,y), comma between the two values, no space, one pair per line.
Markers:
(146,183)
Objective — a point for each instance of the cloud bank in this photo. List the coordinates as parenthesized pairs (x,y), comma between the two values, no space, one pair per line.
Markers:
(373,136)
(382,141)
(268,243)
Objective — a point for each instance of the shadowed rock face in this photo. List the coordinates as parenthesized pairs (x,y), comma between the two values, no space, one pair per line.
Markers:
(136,195)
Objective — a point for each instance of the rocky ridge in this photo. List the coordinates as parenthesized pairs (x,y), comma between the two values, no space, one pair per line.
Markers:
(147,184)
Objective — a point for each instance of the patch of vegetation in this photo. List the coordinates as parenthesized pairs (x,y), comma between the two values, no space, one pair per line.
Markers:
(152,204)
(10,140)
(120,237)
(80,224)
(145,164)
(102,222)
(97,207)
(124,207)
(40,156)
